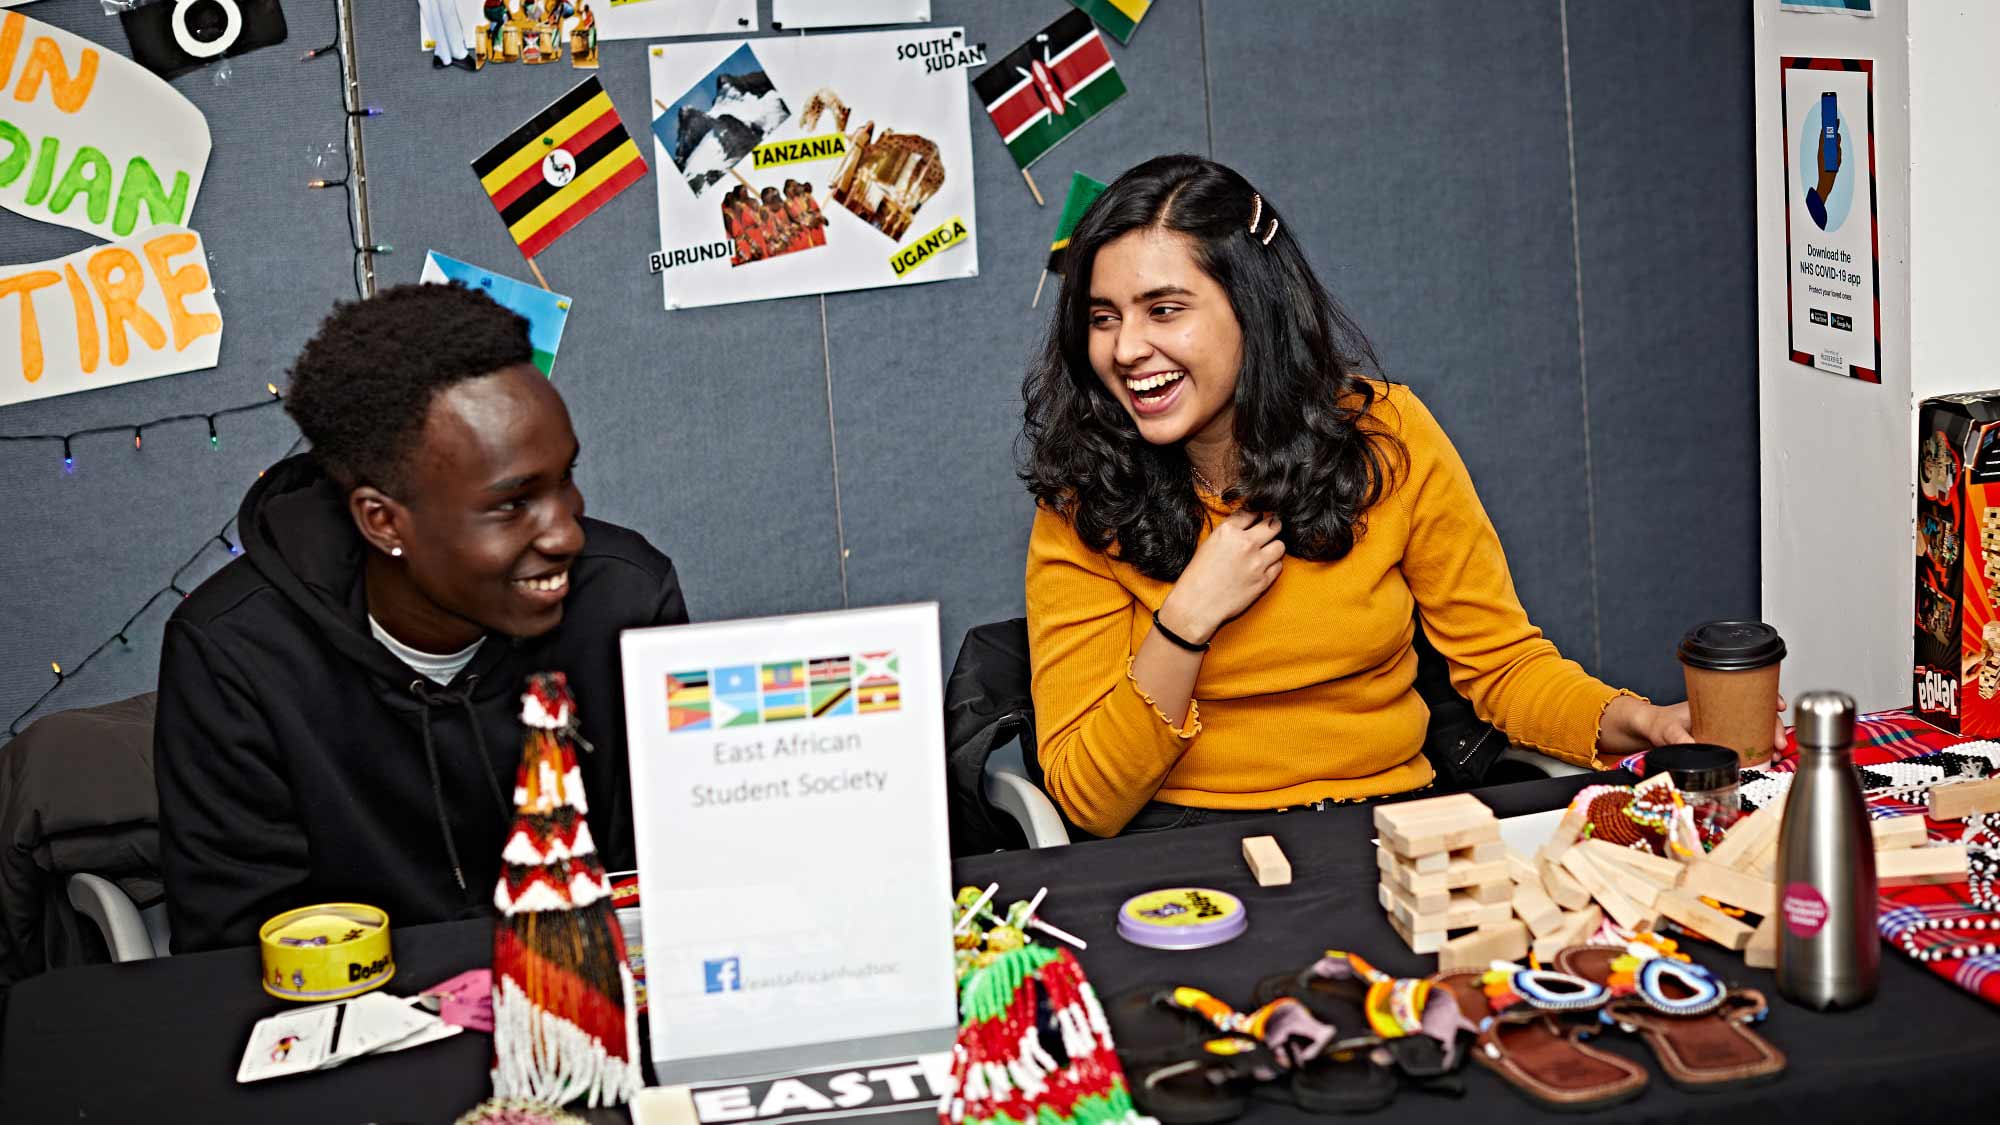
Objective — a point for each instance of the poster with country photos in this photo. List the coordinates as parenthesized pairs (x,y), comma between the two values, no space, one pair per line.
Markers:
(816,164)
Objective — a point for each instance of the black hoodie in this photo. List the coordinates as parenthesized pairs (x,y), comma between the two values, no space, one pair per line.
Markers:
(299,761)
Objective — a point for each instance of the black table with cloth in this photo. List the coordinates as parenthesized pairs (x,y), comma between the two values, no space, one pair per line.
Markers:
(160,1040)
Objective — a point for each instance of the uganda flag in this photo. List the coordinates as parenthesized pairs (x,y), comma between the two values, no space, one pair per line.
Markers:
(1046,88)
(1118,17)
(551,173)
(1083,191)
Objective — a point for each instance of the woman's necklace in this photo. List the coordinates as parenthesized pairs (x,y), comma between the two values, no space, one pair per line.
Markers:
(1203,481)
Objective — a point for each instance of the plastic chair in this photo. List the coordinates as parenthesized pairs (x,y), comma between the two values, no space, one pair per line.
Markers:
(130,933)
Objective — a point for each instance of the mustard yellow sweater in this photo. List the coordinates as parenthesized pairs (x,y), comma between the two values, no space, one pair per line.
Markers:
(1308,694)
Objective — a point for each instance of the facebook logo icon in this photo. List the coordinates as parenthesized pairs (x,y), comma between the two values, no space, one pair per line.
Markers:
(721,975)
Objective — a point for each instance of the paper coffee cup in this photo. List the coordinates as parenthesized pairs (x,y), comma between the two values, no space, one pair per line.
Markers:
(1732,683)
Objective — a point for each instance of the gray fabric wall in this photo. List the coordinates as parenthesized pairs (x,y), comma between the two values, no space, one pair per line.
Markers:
(1541,212)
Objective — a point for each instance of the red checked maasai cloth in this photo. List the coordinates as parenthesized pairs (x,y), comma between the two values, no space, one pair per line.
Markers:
(1894,736)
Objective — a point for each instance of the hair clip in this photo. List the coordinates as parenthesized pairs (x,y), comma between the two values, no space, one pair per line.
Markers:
(1257,218)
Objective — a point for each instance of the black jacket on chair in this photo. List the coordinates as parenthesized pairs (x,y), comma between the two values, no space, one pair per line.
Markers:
(300,762)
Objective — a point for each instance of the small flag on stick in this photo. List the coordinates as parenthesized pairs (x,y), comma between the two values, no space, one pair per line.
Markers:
(1046,88)
(565,163)
(1083,191)
(1118,18)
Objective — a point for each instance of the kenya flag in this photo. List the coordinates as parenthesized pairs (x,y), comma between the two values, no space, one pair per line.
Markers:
(1049,86)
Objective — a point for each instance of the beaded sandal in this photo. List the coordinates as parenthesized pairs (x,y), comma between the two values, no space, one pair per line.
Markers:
(1182,1069)
(1697,1026)
(1522,1039)
(1410,1023)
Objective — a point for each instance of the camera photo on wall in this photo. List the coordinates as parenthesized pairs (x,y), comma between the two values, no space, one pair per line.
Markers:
(171,37)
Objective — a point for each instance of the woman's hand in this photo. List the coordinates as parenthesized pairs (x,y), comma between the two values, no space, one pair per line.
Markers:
(1631,725)
(1230,570)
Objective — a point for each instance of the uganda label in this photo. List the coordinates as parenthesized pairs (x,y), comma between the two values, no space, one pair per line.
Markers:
(946,236)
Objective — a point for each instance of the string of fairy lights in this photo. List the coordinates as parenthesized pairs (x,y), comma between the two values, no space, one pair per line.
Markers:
(177,586)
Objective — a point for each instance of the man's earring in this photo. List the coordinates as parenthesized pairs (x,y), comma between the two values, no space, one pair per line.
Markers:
(395,552)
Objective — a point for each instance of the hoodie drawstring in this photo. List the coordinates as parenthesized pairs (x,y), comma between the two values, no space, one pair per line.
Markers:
(429,697)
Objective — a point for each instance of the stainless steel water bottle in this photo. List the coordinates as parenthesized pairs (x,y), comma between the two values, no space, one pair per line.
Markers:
(1829,953)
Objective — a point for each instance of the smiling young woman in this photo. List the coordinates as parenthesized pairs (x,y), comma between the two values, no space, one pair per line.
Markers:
(1238,524)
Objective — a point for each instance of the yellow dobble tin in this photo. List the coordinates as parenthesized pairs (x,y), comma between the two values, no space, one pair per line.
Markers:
(326,952)
(1182,918)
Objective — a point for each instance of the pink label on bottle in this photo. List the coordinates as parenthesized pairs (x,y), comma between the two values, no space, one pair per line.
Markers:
(1804,909)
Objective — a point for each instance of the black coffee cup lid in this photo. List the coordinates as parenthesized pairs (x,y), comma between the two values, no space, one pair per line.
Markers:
(1695,766)
(1732,646)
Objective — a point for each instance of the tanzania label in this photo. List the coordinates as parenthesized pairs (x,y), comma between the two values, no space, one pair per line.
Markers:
(778,153)
(1804,910)
(949,234)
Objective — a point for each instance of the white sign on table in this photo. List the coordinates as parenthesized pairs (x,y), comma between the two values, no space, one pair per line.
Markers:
(794,866)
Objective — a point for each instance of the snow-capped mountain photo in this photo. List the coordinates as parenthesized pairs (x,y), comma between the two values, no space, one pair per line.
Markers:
(720,119)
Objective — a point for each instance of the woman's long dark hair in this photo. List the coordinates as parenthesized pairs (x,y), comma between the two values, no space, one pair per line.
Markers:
(1306,449)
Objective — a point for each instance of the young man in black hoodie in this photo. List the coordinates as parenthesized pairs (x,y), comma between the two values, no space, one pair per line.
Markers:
(339,708)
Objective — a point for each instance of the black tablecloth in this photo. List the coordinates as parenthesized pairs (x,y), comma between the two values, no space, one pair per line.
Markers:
(1920,1045)
(160,1040)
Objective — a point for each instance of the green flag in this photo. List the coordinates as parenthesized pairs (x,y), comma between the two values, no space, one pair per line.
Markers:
(1083,191)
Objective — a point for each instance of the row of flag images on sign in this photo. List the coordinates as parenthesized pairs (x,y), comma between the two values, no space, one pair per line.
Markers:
(745,695)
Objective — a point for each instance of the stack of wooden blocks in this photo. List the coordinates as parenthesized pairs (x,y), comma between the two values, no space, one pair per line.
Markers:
(1444,869)
(1741,873)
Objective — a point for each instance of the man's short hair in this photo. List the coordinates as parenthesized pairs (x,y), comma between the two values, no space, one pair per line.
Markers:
(363,386)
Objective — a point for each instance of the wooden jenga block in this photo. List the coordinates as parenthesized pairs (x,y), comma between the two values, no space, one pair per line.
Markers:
(1900,832)
(1461,912)
(1960,799)
(1705,920)
(1267,861)
(1428,941)
(1458,873)
(1432,862)
(1476,950)
(1763,859)
(1657,870)
(1435,900)
(1562,887)
(1608,889)
(1522,869)
(1904,867)
(1440,834)
(1731,887)
(1747,837)
(1533,906)
(1499,890)
(1454,807)
(1576,928)
(1762,950)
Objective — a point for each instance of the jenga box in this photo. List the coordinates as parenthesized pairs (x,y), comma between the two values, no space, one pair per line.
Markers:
(1957,667)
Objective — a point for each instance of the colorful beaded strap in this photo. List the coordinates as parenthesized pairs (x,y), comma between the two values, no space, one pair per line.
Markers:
(1512,989)
(1284,1025)
(1002,1070)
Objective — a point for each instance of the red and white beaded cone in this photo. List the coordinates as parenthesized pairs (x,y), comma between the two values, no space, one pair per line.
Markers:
(565,1023)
